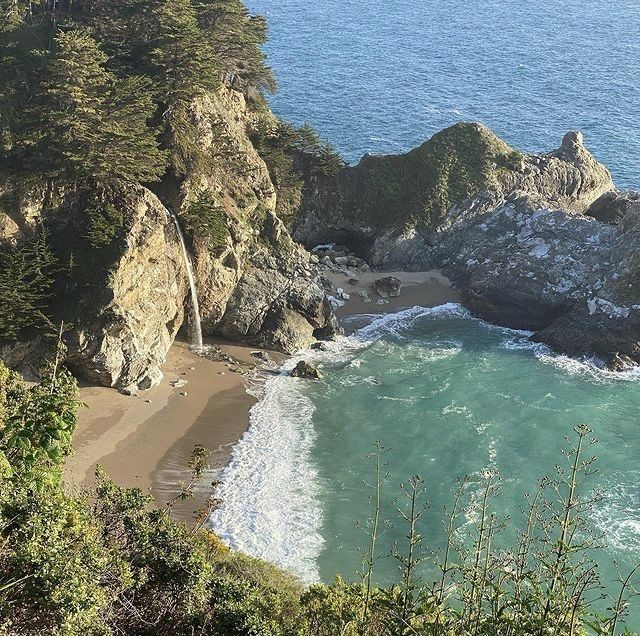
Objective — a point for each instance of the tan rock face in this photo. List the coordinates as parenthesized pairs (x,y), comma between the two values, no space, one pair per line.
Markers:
(248,287)
(124,344)
(123,313)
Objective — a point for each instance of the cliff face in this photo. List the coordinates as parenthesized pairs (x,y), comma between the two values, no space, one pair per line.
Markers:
(257,284)
(123,302)
(389,208)
(129,315)
(546,244)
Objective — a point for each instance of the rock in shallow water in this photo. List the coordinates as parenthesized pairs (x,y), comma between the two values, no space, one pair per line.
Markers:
(305,370)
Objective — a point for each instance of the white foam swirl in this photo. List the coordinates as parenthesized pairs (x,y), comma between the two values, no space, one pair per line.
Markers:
(270,505)
(271,496)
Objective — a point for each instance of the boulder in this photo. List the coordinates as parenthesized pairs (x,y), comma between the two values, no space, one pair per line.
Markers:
(305,370)
(612,206)
(363,295)
(388,287)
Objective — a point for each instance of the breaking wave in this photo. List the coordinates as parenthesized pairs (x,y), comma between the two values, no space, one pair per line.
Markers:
(272,496)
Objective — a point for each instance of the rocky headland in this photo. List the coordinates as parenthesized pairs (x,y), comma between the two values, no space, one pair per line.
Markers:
(122,295)
(537,242)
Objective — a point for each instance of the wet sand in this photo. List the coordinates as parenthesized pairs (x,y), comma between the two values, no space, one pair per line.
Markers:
(427,289)
(146,440)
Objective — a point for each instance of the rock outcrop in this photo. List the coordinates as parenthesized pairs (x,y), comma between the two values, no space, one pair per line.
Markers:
(305,370)
(549,246)
(258,285)
(125,301)
(121,305)
(389,209)
(573,280)
(388,287)
(123,328)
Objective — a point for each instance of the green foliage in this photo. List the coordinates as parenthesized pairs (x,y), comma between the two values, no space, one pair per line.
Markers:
(180,59)
(84,125)
(206,220)
(512,160)
(61,575)
(26,275)
(334,610)
(293,153)
(236,38)
(105,223)
(420,187)
(110,564)
(110,89)
(296,159)
(36,426)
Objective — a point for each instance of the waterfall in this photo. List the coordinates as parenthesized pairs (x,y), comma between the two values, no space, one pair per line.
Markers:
(196,326)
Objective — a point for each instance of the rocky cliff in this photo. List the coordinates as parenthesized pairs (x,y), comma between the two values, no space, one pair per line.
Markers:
(120,284)
(537,242)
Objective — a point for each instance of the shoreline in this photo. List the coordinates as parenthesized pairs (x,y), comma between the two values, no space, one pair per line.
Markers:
(145,441)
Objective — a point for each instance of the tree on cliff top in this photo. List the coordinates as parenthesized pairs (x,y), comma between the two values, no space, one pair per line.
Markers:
(236,38)
(86,125)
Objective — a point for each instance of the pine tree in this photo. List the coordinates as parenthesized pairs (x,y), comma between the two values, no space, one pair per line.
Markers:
(86,125)
(236,38)
(26,276)
(180,60)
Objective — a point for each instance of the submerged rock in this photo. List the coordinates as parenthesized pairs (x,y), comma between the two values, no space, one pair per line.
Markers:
(305,370)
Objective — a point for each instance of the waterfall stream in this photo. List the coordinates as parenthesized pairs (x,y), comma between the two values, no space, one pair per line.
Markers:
(196,326)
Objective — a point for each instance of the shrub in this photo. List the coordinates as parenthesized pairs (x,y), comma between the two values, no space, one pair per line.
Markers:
(105,223)
(206,220)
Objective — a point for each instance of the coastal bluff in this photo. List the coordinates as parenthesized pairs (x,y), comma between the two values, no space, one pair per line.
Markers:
(536,242)
(121,290)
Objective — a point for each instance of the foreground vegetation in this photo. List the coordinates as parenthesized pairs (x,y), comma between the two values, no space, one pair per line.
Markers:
(106,562)
(100,93)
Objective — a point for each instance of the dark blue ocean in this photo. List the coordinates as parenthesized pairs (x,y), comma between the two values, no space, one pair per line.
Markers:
(383,76)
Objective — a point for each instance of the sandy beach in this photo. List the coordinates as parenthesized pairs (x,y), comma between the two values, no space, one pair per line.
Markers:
(146,440)
(427,289)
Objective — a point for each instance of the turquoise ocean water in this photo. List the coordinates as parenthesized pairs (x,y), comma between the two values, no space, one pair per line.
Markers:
(448,394)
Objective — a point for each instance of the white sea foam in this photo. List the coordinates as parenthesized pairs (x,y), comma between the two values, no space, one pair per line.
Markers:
(397,323)
(618,514)
(270,488)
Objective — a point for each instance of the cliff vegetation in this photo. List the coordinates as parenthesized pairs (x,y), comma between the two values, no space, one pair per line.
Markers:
(114,117)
